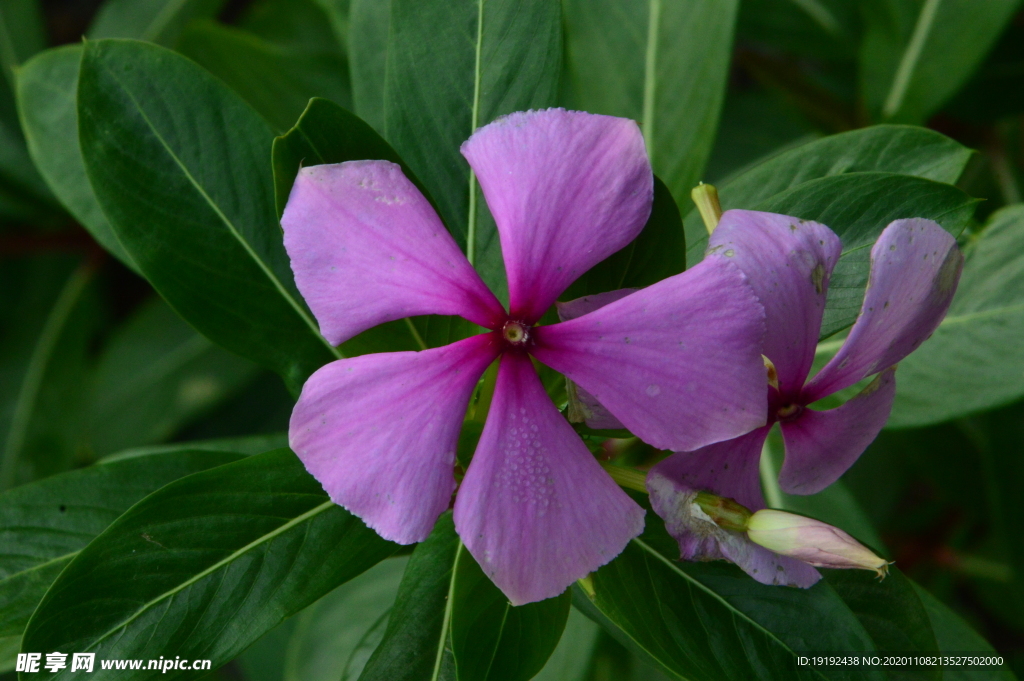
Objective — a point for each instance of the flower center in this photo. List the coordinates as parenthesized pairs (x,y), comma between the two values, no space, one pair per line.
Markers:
(789,411)
(515,333)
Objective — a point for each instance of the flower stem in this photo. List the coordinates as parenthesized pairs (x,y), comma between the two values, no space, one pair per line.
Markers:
(626,477)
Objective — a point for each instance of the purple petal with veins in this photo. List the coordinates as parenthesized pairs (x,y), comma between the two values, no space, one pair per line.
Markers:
(380,432)
(789,263)
(678,363)
(566,189)
(535,509)
(915,267)
(822,445)
(367,248)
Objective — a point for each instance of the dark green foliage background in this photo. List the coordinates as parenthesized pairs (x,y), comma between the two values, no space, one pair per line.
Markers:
(152,340)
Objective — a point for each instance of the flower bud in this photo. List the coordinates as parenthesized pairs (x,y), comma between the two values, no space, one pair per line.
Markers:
(812,541)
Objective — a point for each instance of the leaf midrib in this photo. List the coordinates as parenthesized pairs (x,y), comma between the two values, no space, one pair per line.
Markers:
(213,568)
(268,273)
(447,621)
(731,608)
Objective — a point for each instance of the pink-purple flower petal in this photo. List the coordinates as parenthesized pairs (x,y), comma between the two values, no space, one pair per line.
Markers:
(366,247)
(728,469)
(915,267)
(822,445)
(566,189)
(535,509)
(788,263)
(678,363)
(380,432)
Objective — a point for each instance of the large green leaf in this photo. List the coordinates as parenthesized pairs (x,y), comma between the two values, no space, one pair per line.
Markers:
(416,644)
(47,523)
(916,54)
(571,657)
(334,637)
(277,78)
(892,613)
(367,58)
(204,566)
(954,636)
(451,68)
(158,21)
(709,621)
(643,60)
(899,149)
(22,34)
(47,93)
(23,193)
(179,164)
(858,206)
(1000,436)
(158,369)
(974,360)
(493,640)
(43,362)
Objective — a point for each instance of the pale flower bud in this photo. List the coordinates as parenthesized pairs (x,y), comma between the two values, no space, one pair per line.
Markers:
(812,541)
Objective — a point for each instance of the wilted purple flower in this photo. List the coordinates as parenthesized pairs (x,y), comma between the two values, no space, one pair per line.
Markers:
(915,267)
(678,362)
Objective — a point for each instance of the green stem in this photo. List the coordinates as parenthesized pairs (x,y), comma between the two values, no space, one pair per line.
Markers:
(36,370)
(905,71)
(650,76)
(446,623)
(474,123)
(770,477)
(627,477)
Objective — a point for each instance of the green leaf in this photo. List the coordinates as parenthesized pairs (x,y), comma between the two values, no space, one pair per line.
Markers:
(915,55)
(712,621)
(892,613)
(954,636)
(333,638)
(179,165)
(204,566)
(22,34)
(663,64)
(709,621)
(367,56)
(326,133)
(970,363)
(246,445)
(658,252)
(46,353)
(416,644)
(275,78)
(163,373)
(47,523)
(493,640)
(571,658)
(999,436)
(901,149)
(451,68)
(158,21)
(47,92)
(858,206)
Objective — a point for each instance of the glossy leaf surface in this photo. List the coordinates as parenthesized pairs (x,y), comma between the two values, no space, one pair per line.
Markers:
(205,566)
(179,164)
(47,523)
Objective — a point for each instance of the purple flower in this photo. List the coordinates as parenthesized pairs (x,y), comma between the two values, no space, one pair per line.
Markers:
(915,267)
(678,362)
